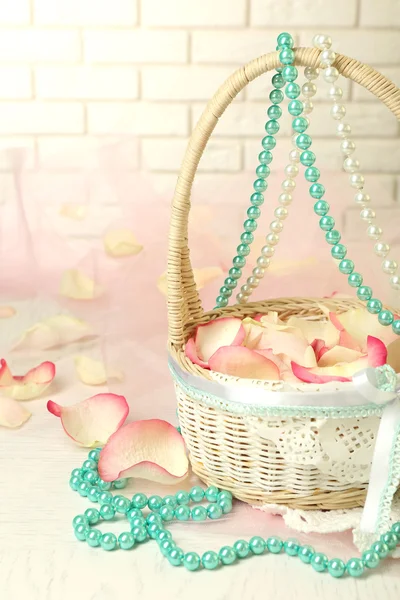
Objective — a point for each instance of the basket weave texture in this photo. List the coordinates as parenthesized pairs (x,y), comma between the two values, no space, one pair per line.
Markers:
(230,450)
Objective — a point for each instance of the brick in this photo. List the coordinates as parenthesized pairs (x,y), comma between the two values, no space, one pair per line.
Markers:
(385,13)
(39,45)
(360,93)
(308,13)
(196,13)
(236,47)
(387,218)
(260,88)
(16,12)
(167,155)
(41,117)
(15,82)
(182,83)
(139,118)
(138,46)
(13,149)
(87,82)
(86,12)
(96,188)
(87,152)
(370,46)
(243,119)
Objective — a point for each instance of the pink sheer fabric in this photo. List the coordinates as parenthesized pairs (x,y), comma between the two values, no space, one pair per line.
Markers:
(55,220)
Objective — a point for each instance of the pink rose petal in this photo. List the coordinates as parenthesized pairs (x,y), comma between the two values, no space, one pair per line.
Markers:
(243,362)
(53,332)
(227,331)
(29,386)
(310,376)
(285,371)
(377,352)
(150,449)
(12,414)
(338,354)
(343,371)
(359,323)
(319,348)
(191,353)
(322,330)
(284,341)
(92,421)
(345,339)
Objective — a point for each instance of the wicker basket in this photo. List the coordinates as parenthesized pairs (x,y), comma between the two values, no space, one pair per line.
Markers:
(229,449)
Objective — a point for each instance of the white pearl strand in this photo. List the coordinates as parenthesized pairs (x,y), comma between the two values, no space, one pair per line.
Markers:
(309,90)
(350,164)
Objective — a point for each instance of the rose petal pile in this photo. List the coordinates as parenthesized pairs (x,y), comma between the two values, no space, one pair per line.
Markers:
(265,347)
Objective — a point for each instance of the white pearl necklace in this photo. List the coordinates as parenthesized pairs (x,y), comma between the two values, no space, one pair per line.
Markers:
(281,212)
(350,164)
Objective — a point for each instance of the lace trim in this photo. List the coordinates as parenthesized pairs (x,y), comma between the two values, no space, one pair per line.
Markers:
(333,521)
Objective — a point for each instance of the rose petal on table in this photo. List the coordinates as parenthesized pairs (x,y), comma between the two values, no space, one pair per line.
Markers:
(59,330)
(323,330)
(6,377)
(202,277)
(12,414)
(151,449)
(95,372)
(92,421)
(121,242)
(359,323)
(227,331)
(239,361)
(77,212)
(78,286)
(7,311)
(29,386)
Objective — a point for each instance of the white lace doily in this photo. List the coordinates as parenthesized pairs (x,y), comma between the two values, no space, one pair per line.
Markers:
(330,521)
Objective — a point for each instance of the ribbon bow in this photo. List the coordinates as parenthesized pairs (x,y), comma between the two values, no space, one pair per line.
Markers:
(380,386)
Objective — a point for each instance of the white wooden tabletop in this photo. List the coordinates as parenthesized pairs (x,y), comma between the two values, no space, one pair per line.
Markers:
(40,559)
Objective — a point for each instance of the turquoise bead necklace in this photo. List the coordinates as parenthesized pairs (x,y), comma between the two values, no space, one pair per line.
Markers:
(274,112)
(286,77)
(152,525)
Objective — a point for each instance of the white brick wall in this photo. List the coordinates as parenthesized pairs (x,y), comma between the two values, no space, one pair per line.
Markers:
(73,72)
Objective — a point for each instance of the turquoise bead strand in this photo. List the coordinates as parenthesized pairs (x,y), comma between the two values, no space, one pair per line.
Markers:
(289,74)
(144,527)
(327,223)
(274,112)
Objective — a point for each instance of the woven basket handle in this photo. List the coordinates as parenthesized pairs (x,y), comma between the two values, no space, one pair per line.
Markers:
(184,304)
